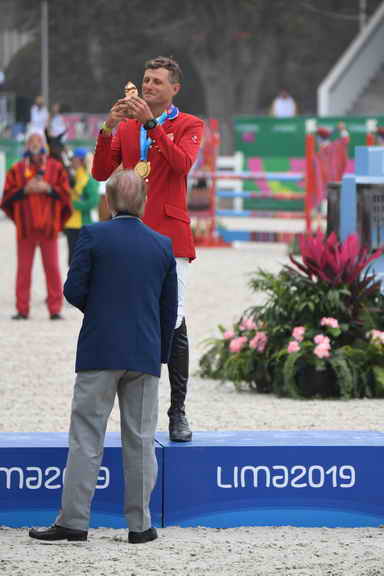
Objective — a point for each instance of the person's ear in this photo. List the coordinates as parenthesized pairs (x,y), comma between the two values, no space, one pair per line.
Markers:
(176,88)
(145,191)
(108,205)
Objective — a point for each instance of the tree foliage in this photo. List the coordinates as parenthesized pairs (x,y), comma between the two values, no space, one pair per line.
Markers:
(236,54)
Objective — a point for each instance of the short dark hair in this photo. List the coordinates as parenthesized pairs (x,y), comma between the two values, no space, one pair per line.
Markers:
(175,73)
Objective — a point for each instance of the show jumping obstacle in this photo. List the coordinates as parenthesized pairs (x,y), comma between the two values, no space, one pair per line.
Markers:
(224,179)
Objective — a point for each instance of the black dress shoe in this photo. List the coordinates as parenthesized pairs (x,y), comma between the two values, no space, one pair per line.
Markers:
(59,533)
(142,537)
(56,317)
(19,316)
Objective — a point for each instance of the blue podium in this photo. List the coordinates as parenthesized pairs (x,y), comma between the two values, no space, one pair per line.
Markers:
(31,479)
(221,479)
(276,478)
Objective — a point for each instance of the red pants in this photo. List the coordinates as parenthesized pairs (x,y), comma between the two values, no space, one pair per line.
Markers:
(50,256)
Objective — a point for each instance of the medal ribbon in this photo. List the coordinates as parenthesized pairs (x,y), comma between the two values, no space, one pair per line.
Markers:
(145,141)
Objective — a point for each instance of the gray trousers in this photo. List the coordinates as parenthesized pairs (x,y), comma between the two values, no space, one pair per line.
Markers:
(93,400)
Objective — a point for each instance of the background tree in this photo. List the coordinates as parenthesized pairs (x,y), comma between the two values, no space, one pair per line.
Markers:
(236,54)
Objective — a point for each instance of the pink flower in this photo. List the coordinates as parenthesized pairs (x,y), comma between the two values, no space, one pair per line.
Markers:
(237,344)
(293,346)
(259,341)
(377,335)
(322,351)
(228,335)
(298,333)
(247,324)
(321,339)
(331,322)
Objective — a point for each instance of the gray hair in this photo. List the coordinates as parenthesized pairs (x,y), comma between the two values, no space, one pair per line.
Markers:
(126,192)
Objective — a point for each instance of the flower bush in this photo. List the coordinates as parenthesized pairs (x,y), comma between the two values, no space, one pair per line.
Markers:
(239,355)
(313,363)
(318,332)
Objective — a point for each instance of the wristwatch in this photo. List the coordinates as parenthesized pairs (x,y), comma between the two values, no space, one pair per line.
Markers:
(150,124)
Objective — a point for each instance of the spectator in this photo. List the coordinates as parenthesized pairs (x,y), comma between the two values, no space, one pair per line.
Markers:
(3,114)
(39,116)
(284,106)
(56,126)
(84,197)
(36,197)
(380,136)
(323,136)
(81,128)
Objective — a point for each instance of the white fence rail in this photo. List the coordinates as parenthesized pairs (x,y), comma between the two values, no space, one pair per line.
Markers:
(231,164)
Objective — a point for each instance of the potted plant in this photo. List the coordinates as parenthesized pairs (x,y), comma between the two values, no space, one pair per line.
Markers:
(313,364)
(238,355)
(316,315)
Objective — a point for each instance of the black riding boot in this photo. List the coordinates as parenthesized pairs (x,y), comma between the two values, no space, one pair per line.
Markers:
(178,365)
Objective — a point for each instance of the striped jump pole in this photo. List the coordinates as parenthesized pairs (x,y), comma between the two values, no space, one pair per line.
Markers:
(306,178)
(310,184)
(254,236)
(247,175)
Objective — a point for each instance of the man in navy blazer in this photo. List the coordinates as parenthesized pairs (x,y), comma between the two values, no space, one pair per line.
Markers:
(123,278)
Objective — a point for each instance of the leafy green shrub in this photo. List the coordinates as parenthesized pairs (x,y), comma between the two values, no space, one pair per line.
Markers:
(317,333)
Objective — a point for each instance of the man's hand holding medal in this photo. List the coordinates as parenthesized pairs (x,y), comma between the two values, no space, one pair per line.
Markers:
(137,107)
(132,106)
(119,110)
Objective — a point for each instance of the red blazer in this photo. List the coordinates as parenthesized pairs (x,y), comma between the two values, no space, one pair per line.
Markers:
(174,148)
(46,213)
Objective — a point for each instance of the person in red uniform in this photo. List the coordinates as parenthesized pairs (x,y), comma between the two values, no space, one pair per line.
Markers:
(36,197)
(380,136)
(161,144)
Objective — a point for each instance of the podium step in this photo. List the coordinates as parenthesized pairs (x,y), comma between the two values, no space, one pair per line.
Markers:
(220,479)
(32,467)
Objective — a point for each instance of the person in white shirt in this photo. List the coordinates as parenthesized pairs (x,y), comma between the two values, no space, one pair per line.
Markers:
(56,126)
(39,116)
(283,105)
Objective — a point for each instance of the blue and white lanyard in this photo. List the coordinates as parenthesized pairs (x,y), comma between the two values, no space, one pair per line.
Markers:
(145,140)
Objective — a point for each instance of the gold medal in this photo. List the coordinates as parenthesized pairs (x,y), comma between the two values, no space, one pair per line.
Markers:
(143,168)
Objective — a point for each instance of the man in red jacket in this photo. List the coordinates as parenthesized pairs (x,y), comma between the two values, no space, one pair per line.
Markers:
(36,197)
(161,144)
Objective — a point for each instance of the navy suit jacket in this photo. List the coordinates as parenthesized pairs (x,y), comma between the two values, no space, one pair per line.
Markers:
(123,278)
